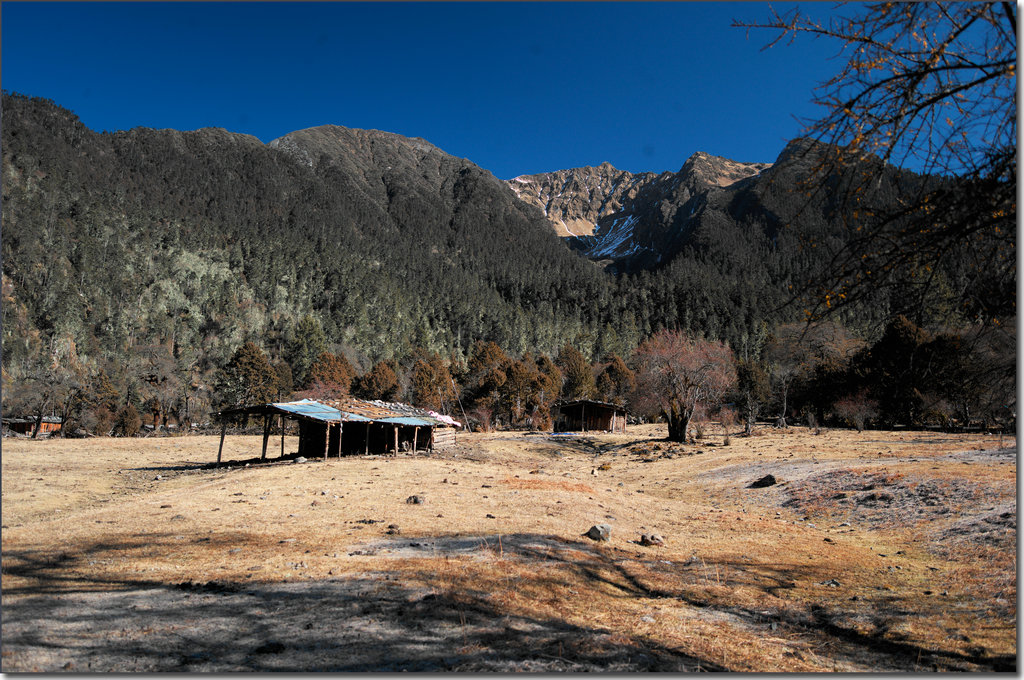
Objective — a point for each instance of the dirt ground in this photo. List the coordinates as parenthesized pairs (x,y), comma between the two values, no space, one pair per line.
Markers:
(874,551)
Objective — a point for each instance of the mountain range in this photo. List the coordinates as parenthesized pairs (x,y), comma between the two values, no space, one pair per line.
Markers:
(197,241)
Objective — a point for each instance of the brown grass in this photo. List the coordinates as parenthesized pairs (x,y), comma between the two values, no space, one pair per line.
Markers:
(745,582)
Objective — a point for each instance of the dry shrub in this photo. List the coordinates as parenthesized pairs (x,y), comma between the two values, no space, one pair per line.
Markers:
(484,417)
(127,423)
(856,410)
(699,421)
(728,417)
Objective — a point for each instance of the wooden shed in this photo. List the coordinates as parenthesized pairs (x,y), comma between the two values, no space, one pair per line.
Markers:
(585,415)
(49,425)
(351,426)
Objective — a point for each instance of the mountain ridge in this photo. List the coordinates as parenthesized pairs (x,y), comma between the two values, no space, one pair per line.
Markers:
(627,220)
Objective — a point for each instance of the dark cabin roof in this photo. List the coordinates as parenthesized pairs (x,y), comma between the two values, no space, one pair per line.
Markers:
(591,402)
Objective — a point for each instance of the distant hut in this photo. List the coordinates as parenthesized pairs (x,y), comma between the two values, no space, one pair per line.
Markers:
(585,415)
(49,425)
(351,426)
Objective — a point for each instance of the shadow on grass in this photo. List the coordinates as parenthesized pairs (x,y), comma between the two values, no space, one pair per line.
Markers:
(374,622)
(705,586)
(689,581)
(371,622)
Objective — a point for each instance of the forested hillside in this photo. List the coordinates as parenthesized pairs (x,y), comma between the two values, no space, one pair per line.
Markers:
(147,258)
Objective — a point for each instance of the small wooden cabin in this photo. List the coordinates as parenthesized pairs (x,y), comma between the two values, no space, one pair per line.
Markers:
(352,426)
(49,425)
(585,415)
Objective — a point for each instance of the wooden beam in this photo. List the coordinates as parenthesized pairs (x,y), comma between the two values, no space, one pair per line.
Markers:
(282,435)
(396,440)
(415,435)
(341,434)
(220,449)
(327,441)
(367,451)
(266,435)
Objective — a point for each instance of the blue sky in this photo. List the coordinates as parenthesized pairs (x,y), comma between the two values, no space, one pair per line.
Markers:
(517,88)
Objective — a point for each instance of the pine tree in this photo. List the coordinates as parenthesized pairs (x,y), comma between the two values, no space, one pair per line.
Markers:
(578,379)
(380,382)
(248,379)
(306,342)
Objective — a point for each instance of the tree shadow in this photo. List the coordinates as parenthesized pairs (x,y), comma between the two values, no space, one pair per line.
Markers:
(610,568)
(375,622)
(371,622)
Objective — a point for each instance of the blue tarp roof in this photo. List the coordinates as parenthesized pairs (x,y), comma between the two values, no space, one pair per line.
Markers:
(316,410)
(310,409)
(408,420)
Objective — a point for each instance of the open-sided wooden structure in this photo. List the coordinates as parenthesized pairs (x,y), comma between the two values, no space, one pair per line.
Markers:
(585,415)
(351,426)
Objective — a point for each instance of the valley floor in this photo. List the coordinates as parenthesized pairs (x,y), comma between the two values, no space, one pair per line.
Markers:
(874,551)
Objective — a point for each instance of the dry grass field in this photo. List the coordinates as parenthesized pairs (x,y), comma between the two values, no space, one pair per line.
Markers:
(874,551)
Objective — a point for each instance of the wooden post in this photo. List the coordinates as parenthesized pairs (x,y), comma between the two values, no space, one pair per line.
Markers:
(223,430)
(415,435)
(367,442)
(282,435)
(396,440)
(327,440)
(266,435)
(341,435)
(583,416)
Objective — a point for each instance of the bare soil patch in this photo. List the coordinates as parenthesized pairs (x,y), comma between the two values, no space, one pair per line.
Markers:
(876,551)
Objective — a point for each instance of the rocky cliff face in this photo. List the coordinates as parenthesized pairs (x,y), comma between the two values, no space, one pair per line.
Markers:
(627,220)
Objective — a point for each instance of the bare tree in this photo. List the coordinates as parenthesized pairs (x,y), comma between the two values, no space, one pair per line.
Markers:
(927,87)
(676,373)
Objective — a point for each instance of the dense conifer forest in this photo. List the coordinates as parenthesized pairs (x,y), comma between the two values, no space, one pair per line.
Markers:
(142,268)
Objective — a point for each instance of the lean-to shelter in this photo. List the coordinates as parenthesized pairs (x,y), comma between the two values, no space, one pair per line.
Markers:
(349,426)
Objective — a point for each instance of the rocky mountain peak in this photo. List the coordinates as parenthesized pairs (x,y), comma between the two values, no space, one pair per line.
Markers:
(716,171)
(611,214)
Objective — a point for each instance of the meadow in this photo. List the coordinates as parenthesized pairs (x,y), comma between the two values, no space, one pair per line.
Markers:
(864,551)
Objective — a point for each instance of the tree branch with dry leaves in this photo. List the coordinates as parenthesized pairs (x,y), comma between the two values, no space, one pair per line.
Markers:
(926,100)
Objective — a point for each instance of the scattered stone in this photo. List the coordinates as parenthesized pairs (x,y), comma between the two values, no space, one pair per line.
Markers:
(647,619)
(287,540)
(178,518)
(767,480)
(599,532)
(831,583)
(271,647)
(651,539)
(393,530)
(158,477)
(604,467)
(164,506)
(490,516)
